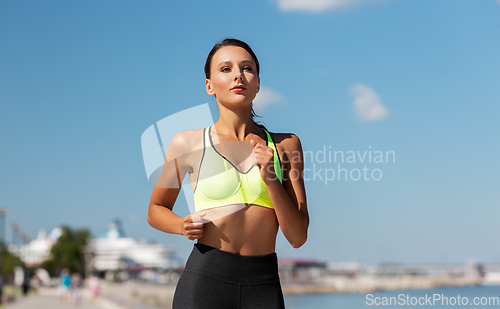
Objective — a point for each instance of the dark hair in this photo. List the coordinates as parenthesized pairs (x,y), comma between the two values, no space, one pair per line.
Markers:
(238,43)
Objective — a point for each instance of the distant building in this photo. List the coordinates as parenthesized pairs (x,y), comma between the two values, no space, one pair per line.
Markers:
(110,251)
(36,251)
(113,251)
(346,269)
(300,270)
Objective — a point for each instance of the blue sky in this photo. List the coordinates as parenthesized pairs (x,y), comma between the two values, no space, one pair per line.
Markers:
(81,81)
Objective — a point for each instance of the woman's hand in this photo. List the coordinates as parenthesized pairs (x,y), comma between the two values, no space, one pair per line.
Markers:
(289,197)
(192,226)
(264,159)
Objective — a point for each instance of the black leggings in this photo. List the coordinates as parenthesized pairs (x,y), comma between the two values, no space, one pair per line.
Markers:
(218,279)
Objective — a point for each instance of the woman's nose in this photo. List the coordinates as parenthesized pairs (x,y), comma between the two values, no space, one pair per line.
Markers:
(238,76)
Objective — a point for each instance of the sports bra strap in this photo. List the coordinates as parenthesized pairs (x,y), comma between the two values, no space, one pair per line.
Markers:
(208,143)
(277,165)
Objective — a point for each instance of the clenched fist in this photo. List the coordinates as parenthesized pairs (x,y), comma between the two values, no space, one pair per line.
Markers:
(192,226)
(264,159)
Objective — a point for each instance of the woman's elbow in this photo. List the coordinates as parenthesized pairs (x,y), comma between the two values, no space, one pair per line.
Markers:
(150,219)
(299,243)
(152,214)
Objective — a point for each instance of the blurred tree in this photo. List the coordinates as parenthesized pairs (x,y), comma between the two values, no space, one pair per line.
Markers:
(66,252)
(9,262)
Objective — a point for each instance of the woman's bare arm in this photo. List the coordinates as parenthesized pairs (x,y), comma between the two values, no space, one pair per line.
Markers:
(289,199)
(167,188)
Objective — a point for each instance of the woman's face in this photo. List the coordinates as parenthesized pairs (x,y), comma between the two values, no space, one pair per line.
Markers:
(233,76)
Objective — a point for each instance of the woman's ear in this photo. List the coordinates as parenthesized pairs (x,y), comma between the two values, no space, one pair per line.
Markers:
(208,87)
(258,84)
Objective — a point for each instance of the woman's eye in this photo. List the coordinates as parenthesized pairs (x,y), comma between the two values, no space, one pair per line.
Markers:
(247,68)
(225,69)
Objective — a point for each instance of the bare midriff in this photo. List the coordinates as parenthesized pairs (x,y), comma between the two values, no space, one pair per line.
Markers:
(240,229)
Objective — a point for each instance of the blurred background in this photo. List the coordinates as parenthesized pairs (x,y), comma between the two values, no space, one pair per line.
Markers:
(395,102)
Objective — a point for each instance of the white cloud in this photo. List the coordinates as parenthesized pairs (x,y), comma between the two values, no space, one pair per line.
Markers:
(266,97)
(319,5)
(367,103)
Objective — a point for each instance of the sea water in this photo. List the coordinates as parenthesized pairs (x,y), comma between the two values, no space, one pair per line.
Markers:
(484,297)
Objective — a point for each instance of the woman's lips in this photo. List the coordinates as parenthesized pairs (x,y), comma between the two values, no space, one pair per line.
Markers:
(238,88)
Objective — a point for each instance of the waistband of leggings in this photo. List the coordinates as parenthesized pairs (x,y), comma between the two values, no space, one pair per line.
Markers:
(232,267)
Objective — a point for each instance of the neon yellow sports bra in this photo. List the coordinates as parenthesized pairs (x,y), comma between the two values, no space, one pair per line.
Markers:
(221,184)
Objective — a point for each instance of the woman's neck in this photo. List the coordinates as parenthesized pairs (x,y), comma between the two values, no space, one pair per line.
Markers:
(236,123)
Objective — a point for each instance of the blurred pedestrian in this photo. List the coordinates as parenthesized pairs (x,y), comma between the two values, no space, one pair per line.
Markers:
(76,284)
(1,289)
(64,286)
(26,285)
(94,283)
(36,282)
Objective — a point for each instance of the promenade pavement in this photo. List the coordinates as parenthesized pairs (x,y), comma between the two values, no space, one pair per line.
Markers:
(48,302)
(49,299)
(116,296)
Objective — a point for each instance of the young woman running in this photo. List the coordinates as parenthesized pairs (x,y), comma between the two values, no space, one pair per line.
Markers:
(247,182)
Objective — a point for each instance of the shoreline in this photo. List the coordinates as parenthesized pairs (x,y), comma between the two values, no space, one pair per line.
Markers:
(371,284)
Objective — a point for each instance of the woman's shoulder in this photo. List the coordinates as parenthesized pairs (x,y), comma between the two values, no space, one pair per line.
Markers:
(186,141)
(287,141)
(187,135)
